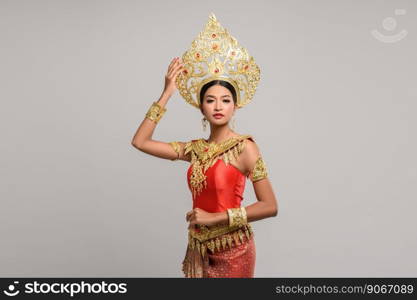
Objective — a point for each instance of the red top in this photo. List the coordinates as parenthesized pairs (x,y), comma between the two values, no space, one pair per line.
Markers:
(225,187)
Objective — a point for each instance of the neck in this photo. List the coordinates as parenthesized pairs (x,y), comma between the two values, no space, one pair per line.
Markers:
(220,133)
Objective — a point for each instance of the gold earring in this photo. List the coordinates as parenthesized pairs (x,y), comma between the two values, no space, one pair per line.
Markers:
(204,121)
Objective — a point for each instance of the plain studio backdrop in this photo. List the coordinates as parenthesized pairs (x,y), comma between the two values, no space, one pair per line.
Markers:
(333,115)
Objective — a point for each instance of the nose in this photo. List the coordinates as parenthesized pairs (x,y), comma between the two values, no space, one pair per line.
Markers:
(218,105)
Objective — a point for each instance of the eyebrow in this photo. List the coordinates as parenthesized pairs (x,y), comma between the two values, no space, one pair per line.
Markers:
(215,97)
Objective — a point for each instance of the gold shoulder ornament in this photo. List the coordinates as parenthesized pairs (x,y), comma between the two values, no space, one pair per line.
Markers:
(176,146)
(259,171)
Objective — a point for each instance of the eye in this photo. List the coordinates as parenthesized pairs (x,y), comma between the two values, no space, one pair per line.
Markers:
(209,100)
(226,100)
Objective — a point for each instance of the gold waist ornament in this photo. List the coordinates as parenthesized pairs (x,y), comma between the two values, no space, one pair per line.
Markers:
(203,239)
(217,237)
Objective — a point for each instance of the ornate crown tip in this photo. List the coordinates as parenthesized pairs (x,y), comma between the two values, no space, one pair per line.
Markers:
(212,16)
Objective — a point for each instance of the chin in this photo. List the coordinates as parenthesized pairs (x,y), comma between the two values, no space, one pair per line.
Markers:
(219,122)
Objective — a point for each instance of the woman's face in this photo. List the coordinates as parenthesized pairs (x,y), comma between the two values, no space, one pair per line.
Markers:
(218,100)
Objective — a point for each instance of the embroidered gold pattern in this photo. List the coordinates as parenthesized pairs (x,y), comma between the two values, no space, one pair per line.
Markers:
(259,170)
(205,155)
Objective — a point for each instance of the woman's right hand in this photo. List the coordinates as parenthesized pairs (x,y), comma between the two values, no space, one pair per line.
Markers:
(175,67)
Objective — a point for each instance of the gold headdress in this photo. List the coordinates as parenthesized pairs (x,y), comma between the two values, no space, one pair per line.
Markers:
(215,54)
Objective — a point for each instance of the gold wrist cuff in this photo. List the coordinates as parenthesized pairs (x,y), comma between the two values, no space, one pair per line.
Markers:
(155,112)
(237,216)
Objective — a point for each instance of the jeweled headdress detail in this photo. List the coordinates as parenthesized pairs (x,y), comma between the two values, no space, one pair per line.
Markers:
(215,54)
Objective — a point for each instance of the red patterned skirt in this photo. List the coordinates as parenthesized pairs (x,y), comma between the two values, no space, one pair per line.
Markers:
(220,252)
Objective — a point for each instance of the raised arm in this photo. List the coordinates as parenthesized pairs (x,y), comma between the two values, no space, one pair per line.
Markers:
(142,140)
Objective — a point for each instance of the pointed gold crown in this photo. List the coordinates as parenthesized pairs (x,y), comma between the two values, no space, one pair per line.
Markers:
(215,54)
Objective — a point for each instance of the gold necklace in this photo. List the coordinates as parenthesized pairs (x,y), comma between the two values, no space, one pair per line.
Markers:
(215,143)
(205,154)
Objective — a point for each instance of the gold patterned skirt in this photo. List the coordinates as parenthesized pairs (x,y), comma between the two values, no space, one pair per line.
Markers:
(220,252)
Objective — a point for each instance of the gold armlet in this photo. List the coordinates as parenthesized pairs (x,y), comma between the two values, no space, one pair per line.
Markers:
(155,112)
(176,147)
(237,217)
(259,170)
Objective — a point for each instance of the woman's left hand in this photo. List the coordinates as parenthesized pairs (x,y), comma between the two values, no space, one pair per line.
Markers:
(201,217)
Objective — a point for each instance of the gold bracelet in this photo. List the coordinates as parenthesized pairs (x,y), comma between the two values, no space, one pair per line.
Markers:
(176,147)
(237,217)
(155,112)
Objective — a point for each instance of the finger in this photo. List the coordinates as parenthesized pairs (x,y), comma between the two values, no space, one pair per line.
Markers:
(179,69)
(177,72)
(192,218)
(174,69)
(175,76)
(173,61)
(188,214)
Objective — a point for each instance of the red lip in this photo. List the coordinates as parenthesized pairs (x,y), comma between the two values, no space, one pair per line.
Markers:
(217,115)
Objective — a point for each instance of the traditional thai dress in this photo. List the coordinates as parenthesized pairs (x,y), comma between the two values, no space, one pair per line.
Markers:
(216,185)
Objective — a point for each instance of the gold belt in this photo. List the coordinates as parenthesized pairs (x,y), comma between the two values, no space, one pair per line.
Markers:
(217,237)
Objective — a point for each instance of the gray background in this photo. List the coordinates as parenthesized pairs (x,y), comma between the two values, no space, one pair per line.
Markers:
(334,117)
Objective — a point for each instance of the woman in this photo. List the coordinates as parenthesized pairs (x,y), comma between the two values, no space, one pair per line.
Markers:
(220,238)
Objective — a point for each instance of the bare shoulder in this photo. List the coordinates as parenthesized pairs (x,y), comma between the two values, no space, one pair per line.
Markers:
(250,154)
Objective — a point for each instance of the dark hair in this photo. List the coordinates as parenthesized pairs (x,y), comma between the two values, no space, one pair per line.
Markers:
(214,82)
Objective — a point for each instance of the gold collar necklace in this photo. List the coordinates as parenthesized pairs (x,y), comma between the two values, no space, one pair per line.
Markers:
(219,143)
(204,154)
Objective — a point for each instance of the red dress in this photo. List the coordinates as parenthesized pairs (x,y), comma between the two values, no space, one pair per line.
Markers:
(223,189)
